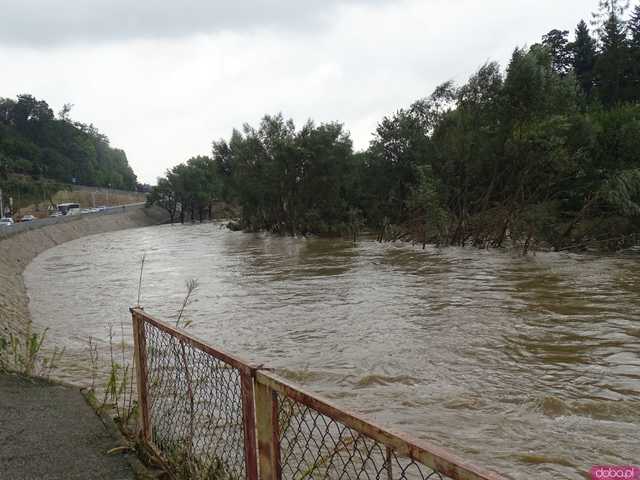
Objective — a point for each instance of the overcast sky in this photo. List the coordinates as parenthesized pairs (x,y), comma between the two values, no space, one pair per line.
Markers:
(163,78)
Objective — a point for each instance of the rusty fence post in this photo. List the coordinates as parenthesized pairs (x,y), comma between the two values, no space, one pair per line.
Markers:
(140,352)
(249,425)
(388,465)
(268,432)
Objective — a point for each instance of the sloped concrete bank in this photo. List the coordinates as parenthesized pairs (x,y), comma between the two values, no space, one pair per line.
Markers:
(17,251)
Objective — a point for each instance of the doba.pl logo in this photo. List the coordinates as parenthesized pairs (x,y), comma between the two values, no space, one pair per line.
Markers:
(615,472)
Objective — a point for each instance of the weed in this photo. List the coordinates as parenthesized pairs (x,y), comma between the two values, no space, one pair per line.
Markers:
(144,256)
(192,286)
(24,355)
(94,359)
(118,392)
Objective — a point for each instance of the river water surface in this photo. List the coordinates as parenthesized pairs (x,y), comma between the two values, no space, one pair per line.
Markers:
(528,366)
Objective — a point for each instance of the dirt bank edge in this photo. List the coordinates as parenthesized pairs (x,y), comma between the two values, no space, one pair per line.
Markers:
(16,252)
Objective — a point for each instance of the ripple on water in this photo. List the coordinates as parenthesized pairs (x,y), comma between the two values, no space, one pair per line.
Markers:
(526,365)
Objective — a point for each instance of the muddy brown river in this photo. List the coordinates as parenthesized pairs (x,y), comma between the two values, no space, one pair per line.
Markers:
(528,366)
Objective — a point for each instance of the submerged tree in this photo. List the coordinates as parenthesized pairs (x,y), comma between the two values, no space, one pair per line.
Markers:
(544,153)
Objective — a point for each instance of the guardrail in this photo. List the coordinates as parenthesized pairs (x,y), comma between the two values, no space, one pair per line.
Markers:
(8,231)
(208,414)
(104,190)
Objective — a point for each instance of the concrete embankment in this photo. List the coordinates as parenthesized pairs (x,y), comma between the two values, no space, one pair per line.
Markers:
(18,250)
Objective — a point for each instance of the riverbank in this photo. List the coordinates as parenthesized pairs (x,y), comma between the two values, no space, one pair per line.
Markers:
(17,251)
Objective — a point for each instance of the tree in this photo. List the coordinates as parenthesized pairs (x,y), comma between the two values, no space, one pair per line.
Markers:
(399,147)
(612,62)
(40,145)
(544,154)
(584,55)
(532,89)
(64,112)
(634,45)
(607,10)
(557,43)
(633,25)
(164,195)
(207,184)
(429,212)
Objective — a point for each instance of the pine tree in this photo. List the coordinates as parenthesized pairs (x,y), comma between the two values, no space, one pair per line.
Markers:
(608,9)
(558,45)
(612,65)
(584,56)
(633,26)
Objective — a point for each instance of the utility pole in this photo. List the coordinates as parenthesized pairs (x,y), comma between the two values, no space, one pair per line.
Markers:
(1,205)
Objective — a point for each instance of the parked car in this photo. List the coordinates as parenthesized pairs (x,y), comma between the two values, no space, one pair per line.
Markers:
(6,222)
(27,218)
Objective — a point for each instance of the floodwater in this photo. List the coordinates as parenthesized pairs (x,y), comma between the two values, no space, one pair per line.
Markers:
(528,366)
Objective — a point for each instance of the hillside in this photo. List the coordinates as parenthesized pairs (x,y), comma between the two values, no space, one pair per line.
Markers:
(35,145)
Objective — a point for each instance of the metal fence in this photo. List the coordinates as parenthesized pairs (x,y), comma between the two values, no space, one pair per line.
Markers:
(196,403)
(208,414)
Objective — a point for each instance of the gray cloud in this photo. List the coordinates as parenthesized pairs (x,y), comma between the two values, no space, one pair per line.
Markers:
(46,22)
(163,94)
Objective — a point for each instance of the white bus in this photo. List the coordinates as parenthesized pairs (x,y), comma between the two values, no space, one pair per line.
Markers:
(69,208)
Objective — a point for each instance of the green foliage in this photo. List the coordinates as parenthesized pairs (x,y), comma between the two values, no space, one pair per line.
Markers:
(612,62)
(119,394)
(557,43)
(24,355)
(545,154)
(188,188)
(285,180)
(633,27)
(26,190)
(35,144)
(584,58)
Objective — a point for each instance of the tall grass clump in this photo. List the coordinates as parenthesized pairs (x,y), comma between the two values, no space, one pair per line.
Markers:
(117,396)
(24,355)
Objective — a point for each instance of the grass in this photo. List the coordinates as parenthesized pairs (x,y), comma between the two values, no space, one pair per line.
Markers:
(24,355)
(185,466)
(192,286)
(119,395)
(118,398)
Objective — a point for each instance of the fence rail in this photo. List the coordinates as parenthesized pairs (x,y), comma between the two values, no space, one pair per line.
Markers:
(196,402)
(209,414)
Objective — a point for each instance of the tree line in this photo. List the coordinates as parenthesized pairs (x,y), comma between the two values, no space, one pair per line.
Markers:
(39,151)
(545,153)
